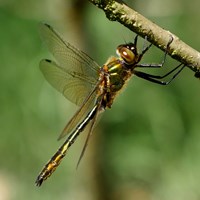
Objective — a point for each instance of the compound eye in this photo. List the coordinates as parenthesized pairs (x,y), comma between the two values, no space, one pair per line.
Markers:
(126,54)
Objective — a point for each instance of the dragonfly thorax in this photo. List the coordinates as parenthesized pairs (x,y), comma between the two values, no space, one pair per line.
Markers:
(114,74)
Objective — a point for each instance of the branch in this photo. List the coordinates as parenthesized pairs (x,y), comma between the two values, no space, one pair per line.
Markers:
(118,11)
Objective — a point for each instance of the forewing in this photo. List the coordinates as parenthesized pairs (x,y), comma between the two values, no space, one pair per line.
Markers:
(68,57)
(75,75)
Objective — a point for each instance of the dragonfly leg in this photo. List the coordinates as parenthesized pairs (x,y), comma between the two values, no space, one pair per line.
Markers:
(146,48)
(153,78)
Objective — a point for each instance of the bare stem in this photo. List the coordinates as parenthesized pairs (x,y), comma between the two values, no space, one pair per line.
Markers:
(119,11)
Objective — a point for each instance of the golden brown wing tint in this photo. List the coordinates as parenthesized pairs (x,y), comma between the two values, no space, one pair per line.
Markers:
(81,113)
(75,74)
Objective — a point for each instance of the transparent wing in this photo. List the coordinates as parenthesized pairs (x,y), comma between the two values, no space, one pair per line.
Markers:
(92,124)
(81,113)
(74,88)
(80,72)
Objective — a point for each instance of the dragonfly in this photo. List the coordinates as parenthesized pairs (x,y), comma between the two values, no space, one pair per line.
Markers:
(90,86)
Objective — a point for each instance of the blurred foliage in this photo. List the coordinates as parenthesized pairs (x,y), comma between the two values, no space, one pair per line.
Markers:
(146,147)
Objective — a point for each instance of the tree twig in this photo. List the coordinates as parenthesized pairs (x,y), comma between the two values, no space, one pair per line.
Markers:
(119,11)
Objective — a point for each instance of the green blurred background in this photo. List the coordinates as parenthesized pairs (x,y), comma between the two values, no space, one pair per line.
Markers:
(147,147)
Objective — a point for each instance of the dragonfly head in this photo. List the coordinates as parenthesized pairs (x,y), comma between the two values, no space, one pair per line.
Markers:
(128,53)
